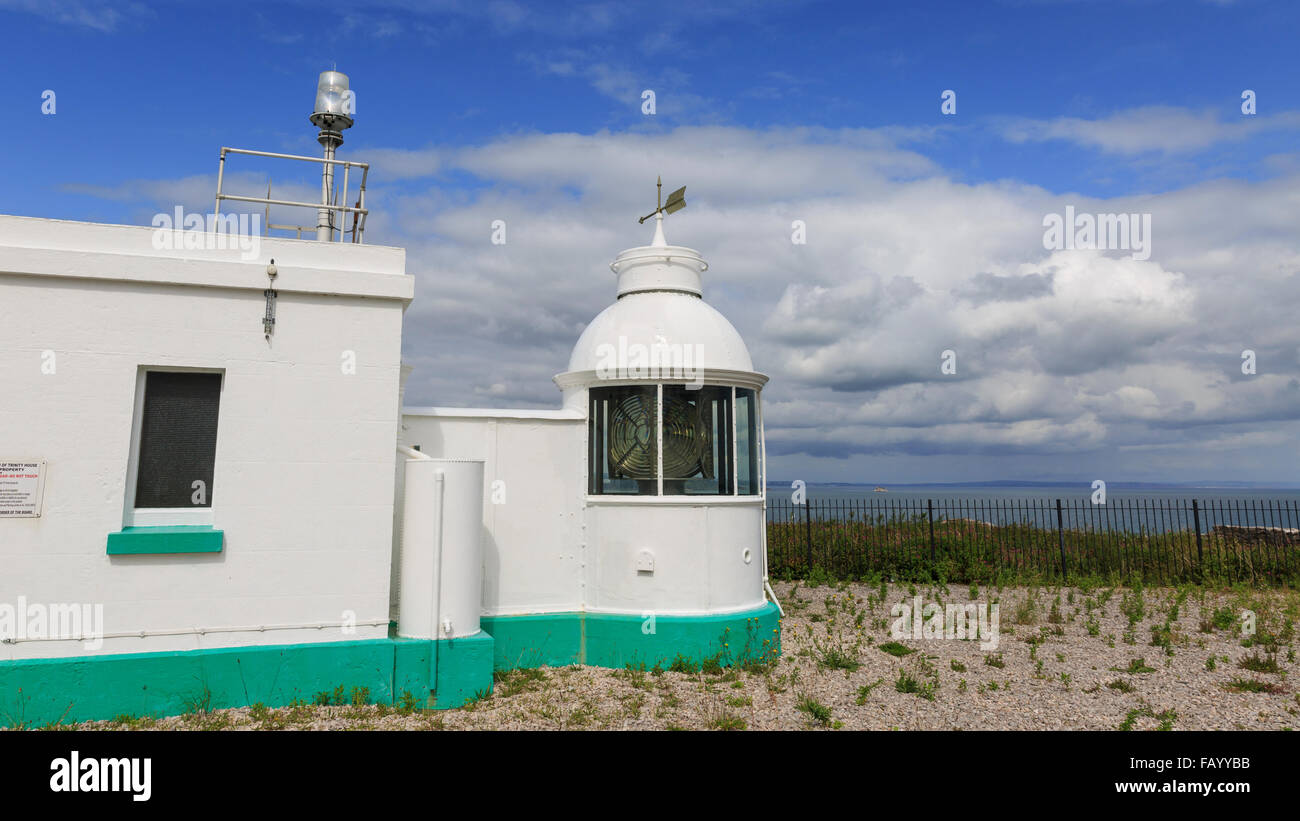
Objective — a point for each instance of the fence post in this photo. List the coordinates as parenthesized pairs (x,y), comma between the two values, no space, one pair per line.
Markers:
(929,507)
(1060,536)
(1196,523)
(807,528)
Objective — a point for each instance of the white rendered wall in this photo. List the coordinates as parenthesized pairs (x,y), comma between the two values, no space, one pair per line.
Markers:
(534,485)
(303,484)
(548,547)
(707,558)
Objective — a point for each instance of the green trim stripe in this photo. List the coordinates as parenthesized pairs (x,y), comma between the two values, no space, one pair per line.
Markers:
(443,674)
(37,692)
(170,539)
(617,640)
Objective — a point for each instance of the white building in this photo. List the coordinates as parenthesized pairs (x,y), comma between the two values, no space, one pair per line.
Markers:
(199,507)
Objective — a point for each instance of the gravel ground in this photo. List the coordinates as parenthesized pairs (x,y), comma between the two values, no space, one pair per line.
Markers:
(1068,659)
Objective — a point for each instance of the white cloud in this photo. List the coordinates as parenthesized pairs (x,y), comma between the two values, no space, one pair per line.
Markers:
(1165,129)
(1068,361)
(100,15)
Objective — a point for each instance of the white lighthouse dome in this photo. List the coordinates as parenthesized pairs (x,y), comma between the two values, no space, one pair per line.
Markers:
(663,319)
(660,313)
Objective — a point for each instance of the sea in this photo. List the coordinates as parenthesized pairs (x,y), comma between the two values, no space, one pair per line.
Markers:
(1047,491)
(1127,506)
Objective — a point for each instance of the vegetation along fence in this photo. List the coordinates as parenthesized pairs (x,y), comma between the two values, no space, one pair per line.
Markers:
(1161,540)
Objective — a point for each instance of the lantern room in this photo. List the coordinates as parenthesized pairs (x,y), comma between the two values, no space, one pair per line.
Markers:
(627,526)
(673,444)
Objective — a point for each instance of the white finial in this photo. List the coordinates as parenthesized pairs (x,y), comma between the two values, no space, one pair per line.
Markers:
(659,241)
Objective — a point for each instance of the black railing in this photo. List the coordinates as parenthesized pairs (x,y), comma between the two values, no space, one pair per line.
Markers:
(1161,540)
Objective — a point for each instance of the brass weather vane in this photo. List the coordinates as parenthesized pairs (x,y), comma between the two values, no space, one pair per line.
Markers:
(676,201)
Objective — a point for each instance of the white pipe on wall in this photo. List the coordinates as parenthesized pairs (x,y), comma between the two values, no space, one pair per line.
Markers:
(203,631)
(441,555)
(439,483)
(420,533)
(768,587)
(461,564)
(762,489)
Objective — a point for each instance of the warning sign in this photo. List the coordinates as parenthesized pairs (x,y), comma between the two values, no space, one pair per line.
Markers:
(21,487)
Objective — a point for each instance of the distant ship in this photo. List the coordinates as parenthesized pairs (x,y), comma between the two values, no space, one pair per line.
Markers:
(880,489)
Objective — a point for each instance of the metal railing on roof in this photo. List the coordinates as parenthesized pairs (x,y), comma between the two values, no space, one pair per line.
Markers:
(359,212)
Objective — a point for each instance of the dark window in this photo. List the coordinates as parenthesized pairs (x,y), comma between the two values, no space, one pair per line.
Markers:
(623,432)
(178,439)
(697,441)
(746,442)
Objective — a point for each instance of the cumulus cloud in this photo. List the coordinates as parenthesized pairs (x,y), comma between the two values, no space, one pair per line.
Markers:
(1068,354)
(100,15)
(1166,129)
(195,194)
(1068,361)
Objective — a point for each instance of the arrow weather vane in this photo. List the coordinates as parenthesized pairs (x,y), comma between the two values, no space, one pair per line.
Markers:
(676,201)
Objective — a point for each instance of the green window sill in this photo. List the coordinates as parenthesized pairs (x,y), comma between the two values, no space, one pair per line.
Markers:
(172,539)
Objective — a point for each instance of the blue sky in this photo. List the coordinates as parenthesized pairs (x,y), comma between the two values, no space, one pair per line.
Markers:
(160,85)
(827,112)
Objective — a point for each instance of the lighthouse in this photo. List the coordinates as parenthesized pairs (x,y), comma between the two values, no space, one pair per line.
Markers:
(673,443)
(628,526)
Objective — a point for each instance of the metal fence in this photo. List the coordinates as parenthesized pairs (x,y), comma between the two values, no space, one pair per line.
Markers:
(1161,540)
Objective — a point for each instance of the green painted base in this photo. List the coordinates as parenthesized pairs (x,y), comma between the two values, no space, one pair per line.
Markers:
(609,640)
(37,692)
(451,671)
(441,675)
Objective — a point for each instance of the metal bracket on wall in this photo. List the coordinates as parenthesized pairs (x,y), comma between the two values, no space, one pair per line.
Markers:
(268,321)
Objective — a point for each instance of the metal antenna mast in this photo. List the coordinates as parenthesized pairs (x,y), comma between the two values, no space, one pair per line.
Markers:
(334,109)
